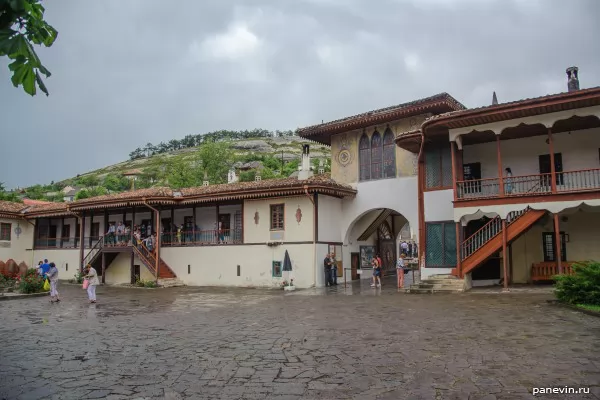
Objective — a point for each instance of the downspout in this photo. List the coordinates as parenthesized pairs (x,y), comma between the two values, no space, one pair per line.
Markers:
(314,235)
(421,200)
(157,262)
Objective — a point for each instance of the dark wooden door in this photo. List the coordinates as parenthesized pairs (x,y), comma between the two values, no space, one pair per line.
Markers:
(545,168)
(52,236)
(136,274)
(472,172)
(549,246)
(354,263)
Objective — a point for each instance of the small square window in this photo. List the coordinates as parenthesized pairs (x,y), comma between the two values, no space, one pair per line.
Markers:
(5,231)
(277,219)
(277,270)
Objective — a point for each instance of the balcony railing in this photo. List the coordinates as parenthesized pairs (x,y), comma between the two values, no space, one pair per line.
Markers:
(528,185)
(201,238)
(64,242)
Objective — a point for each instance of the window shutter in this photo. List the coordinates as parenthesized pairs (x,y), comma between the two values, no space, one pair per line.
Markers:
(432,169)
(446,167)
(449,244)
(435,251)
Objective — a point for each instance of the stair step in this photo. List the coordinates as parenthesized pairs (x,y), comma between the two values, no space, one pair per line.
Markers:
(170,282)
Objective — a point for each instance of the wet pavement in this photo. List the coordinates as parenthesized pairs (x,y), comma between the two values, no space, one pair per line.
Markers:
(358,342)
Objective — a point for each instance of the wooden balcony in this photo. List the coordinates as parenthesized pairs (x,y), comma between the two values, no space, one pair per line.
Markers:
(529,185)
(544,271)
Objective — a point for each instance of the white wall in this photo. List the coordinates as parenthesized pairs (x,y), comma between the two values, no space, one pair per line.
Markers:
(438,205)
(330,216)
(217,265)
(579,151)
(16,247)
(294,231)
(66,260)
(119,271)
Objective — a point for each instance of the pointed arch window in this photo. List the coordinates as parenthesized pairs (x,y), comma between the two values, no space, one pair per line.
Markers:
(376,155)
(364,158)
(389,154)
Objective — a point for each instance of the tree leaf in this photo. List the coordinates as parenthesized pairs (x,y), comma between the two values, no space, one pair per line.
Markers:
(44,71)
(15,64)
(41,84)
(18,75)
(29,81)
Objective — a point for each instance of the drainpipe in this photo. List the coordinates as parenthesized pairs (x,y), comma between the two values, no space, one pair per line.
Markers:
(314,234)
(420,200)
(81,239)
(157,236)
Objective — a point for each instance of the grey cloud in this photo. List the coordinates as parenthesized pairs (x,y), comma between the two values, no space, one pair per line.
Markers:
(129,72)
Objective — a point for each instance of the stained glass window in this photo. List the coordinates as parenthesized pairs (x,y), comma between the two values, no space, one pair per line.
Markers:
(389,154)
(376,155)
(364,157)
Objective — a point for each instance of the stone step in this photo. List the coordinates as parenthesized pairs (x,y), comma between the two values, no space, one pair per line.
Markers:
(170,282)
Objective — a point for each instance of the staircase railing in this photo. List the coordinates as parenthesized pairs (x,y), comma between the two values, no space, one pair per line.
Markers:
(487,233)
(146,256)
(94,251)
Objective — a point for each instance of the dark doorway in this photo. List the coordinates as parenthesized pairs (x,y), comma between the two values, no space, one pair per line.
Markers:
(146,228)
(65,240)
(52,236)
(136,273)
(354,264)
(473,226)
(386,247)
(472,172)
(545,168)
(549,246)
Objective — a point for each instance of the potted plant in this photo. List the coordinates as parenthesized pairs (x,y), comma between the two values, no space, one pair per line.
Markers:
(288,285)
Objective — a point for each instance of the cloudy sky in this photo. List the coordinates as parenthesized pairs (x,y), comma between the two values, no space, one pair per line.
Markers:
(128,72)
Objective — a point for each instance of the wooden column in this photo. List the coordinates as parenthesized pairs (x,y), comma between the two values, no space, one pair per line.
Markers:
(105,221)
(504,255)
(453,160)
(172,231)
(62,228)
(91,226)
(103,266)
(131,261)
(500,174)
(132,231)
(458,247)
(81,241)
(552,166)
(243,216)
(217,226)
(157,212)
(194,225)
(558,244)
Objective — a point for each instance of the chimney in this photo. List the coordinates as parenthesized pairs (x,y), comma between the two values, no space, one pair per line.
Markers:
(305,171)
(573,79)
(205,182)
(231,177)
(494,99)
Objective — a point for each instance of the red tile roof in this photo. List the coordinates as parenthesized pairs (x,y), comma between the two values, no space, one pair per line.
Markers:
(10,209)
(438,103)
(516,109)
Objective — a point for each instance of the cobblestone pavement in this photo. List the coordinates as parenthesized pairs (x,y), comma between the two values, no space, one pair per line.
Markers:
(309,344)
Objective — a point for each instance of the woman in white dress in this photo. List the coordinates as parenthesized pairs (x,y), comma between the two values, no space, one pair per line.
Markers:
(92,276)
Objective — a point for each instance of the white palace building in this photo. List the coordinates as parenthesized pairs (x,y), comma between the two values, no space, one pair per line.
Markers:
(507,193)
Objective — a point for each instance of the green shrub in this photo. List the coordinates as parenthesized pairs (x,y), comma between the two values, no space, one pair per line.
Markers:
(582,287)
(78,277)
(147,284)
(31,282)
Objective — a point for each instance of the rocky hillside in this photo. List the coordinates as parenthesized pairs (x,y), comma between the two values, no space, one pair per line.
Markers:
(288,148)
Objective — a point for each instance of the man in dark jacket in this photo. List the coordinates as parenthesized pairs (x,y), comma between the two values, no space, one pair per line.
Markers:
(327,268)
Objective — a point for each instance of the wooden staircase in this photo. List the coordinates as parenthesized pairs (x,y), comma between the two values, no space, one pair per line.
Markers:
(488,240)
(94,258)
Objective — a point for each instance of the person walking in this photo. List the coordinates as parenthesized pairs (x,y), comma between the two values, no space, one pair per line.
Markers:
(376,273)
(327,269)
(53,277)
(333,266)
(92,276)
(400,271)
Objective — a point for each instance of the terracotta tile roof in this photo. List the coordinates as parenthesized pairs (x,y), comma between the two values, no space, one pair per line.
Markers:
(133,172)
(30,202)
(201,194)
(577,97)
(267,188)
(11,208)
(438,103)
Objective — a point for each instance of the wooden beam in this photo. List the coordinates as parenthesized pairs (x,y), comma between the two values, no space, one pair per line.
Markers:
(194,225)
(91,226)
(458,247)
(132,230)
(504,255)
(453,160)
(103,266)
(552,166)
(558,244)
(62,228)
(131,267)
(500,174)
(217,227)
(157,244)
(81,241)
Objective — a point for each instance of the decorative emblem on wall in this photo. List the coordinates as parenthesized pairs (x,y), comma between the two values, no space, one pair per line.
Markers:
(344,156)
(18,230)
(298,215)
(413,124)
(256,218)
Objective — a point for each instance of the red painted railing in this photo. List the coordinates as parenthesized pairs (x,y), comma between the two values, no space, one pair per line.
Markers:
(527,185)
(544,271)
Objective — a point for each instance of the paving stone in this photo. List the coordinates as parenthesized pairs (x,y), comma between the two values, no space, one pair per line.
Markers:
(229,343)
